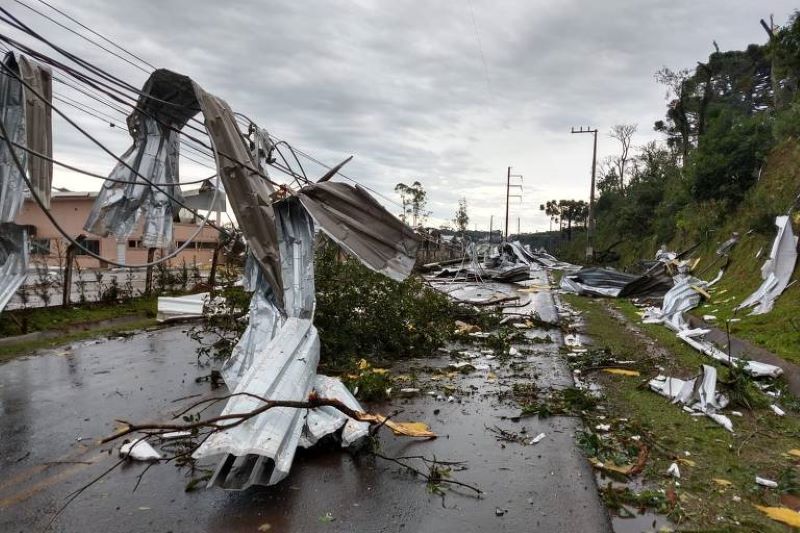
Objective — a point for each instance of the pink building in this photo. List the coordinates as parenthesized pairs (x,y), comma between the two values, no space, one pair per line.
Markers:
(71,210)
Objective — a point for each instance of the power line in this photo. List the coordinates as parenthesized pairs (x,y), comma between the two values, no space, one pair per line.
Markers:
(112,43)
(76,243)
(105,85)
(81,35)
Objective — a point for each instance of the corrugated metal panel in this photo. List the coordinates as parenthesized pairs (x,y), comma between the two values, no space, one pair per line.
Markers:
(13,260)
(776,271)
(12,113)
(167,100)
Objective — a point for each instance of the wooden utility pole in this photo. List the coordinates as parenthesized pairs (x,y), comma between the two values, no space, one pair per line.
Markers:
(491,228)
(590,226)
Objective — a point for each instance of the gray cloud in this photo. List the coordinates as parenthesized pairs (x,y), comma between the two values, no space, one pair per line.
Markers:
(402,85)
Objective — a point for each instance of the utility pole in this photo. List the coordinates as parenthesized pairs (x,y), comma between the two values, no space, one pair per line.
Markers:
(509,195)
(518,230)
(491,227)
(590,226)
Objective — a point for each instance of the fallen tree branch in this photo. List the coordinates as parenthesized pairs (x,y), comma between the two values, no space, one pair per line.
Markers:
(231,420)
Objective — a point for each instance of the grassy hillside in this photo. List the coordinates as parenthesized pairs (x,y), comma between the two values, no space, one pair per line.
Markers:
(777,331)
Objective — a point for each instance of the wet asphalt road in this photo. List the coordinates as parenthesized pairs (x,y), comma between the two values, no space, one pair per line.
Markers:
(56,404)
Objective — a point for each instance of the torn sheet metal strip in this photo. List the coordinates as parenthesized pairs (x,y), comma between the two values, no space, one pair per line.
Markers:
(358,223)
(181,307)
(38,125)
(326,420)
(754,368)
(296,245)
(776,271)
(250,195)
(263,322)
(284,371)
(12,113)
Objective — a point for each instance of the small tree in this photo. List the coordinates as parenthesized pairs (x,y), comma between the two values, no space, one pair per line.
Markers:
(552,210)
(624,134)
(414,199)
(461,220)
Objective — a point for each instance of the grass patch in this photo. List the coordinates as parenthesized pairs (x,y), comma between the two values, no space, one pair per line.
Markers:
(22,321)
(757,447)
(72,324)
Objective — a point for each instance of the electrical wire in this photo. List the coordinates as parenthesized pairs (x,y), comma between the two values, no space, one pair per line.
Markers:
(99,144)
(82,36)
(100,176)
(112,43)
(128,87)
(76,243)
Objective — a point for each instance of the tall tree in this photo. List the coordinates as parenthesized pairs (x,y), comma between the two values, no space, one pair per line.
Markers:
(624,134)
(414,200)
(552,210)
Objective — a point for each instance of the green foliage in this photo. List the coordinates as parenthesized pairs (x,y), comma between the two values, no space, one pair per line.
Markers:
(368,383)
(222,323)
(727,162)
(361,313)
(461,220)
(414,199)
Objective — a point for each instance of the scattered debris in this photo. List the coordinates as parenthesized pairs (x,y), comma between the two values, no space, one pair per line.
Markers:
(674,471)
(776,271)
(621,372)
(181,307)
(781,514)
(139,450)
(766,482)
(698,394)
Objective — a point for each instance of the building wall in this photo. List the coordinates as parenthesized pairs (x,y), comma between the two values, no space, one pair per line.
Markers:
(72,211)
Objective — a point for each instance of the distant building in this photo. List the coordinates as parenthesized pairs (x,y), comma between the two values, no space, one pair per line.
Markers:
(71,209)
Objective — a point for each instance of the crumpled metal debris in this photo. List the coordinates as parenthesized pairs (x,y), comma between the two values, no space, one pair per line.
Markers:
(685,295)
(358,223)
(26,119)
(181,307)
(164,107)
(276,357)
(611,283)
(726,247)
(697,394)
(776,271)
(14,253)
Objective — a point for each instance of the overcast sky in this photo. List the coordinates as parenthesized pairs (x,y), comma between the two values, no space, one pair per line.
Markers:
(448,93)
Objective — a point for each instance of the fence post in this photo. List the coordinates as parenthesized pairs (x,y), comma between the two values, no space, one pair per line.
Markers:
(148,278)
(66,294)
(212,275)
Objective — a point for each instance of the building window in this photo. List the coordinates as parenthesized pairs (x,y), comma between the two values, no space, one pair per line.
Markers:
(40,246)
(134,244)
(206,245)
(93,245)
